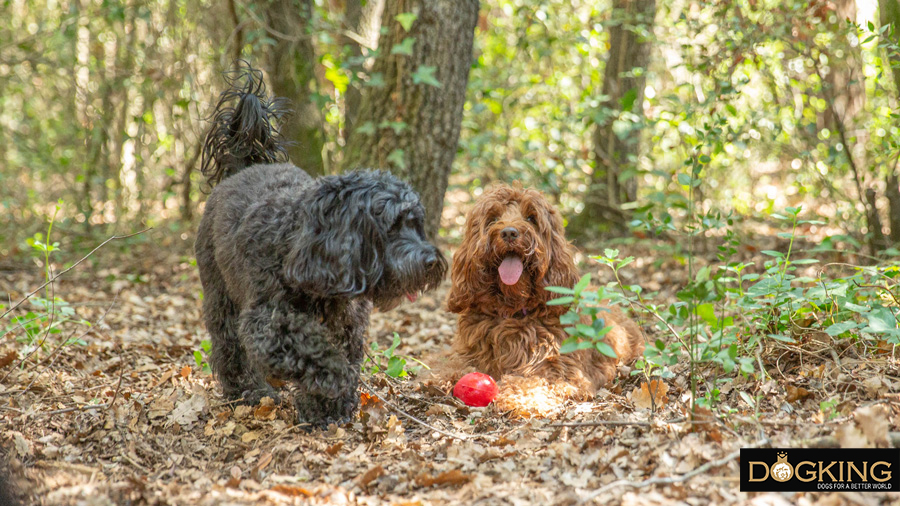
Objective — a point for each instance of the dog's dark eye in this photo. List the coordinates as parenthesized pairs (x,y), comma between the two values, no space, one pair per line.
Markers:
(406,220)
(532,219)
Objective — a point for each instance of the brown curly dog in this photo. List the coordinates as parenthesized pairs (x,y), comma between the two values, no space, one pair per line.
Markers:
(514,247)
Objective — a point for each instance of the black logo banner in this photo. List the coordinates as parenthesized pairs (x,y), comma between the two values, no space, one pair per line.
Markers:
(820,469)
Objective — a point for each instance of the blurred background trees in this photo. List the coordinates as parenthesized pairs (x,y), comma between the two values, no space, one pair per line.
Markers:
(625,113)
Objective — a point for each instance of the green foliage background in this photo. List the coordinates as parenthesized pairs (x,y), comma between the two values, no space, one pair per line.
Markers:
(102,105)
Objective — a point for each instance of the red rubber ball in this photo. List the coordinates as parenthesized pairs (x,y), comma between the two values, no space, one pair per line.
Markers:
(476,389)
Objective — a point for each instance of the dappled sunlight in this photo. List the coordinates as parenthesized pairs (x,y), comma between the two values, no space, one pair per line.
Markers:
(728,171)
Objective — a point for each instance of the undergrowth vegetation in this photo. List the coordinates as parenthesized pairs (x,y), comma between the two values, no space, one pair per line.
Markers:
(732,314)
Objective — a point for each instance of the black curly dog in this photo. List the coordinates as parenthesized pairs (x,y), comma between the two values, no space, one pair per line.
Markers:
(291,266)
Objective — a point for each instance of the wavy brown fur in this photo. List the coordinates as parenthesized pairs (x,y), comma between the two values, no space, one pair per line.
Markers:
(508,331)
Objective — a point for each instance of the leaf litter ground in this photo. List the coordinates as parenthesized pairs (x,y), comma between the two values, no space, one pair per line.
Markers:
(128,417)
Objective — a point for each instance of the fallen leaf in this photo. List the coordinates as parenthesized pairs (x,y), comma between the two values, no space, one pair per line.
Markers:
(367,401)
(333,449)
(703,420)
(795,394)
(188,412)
(266,409)
(874,385)
(261,464)
(494,453)
(849,436)
(435,409)
(161,406)
(369,476)
(165,377)
(243,411)
(23,446)
(291,491)
(8,359)
(186,372)
(874,422)
(250,436)
(235,479)
(650,395)
(452,478)
(502,441)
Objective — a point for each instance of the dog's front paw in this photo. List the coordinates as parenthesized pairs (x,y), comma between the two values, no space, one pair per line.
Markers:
(333,383)
(317,411)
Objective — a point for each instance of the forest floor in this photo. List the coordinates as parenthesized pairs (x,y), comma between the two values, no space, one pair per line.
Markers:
(126,416)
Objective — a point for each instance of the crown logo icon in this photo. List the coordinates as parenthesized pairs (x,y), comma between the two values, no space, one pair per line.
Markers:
(781,470)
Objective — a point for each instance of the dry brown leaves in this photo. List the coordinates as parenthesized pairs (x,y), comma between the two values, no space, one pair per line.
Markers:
(169,437)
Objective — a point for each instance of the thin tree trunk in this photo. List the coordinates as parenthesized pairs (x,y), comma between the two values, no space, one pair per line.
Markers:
(845,77)
(292,63)
(362,18)
(615,152)
(889,11)
(411,124)
(238,45)
(187,207)
(352,98)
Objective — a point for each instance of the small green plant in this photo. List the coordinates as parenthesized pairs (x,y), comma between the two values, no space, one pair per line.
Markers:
(829,408)
(390,362)
(50,313)
(585,321)
(201,356)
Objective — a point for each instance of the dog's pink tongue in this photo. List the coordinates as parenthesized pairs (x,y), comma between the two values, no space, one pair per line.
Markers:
(510,270)
(412,296)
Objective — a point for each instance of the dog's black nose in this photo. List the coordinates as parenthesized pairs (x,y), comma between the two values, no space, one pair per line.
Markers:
(509,234)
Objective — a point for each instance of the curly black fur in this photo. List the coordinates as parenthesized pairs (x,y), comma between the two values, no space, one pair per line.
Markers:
(291,266)
(7,493)
(246,133)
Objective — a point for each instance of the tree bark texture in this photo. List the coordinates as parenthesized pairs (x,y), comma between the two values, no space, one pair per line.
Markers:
(411,125)
(889,12)
(616,152)
(845,80)
(363,18)
(291,63)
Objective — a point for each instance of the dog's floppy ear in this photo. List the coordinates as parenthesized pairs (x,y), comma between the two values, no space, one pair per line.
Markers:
(338,252)
(560,265)
(470,278)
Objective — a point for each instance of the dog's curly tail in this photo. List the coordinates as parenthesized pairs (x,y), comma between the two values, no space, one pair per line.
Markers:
(245,133)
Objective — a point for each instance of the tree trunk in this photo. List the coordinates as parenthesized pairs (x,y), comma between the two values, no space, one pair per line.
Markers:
(411,124)
(617,134)
(291,69)
(238,34)
(889,11)
(845,79)
(362,18)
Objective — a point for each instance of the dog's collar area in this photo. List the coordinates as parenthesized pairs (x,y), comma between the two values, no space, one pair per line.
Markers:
(515,314)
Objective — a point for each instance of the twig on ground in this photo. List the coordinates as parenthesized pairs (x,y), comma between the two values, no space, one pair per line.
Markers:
(672,479)
(118,386)
(77,408)
(60,273)
(614,423)
(52,356)
(461,437)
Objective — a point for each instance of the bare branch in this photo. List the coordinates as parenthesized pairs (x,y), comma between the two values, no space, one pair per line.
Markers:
(54,278)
